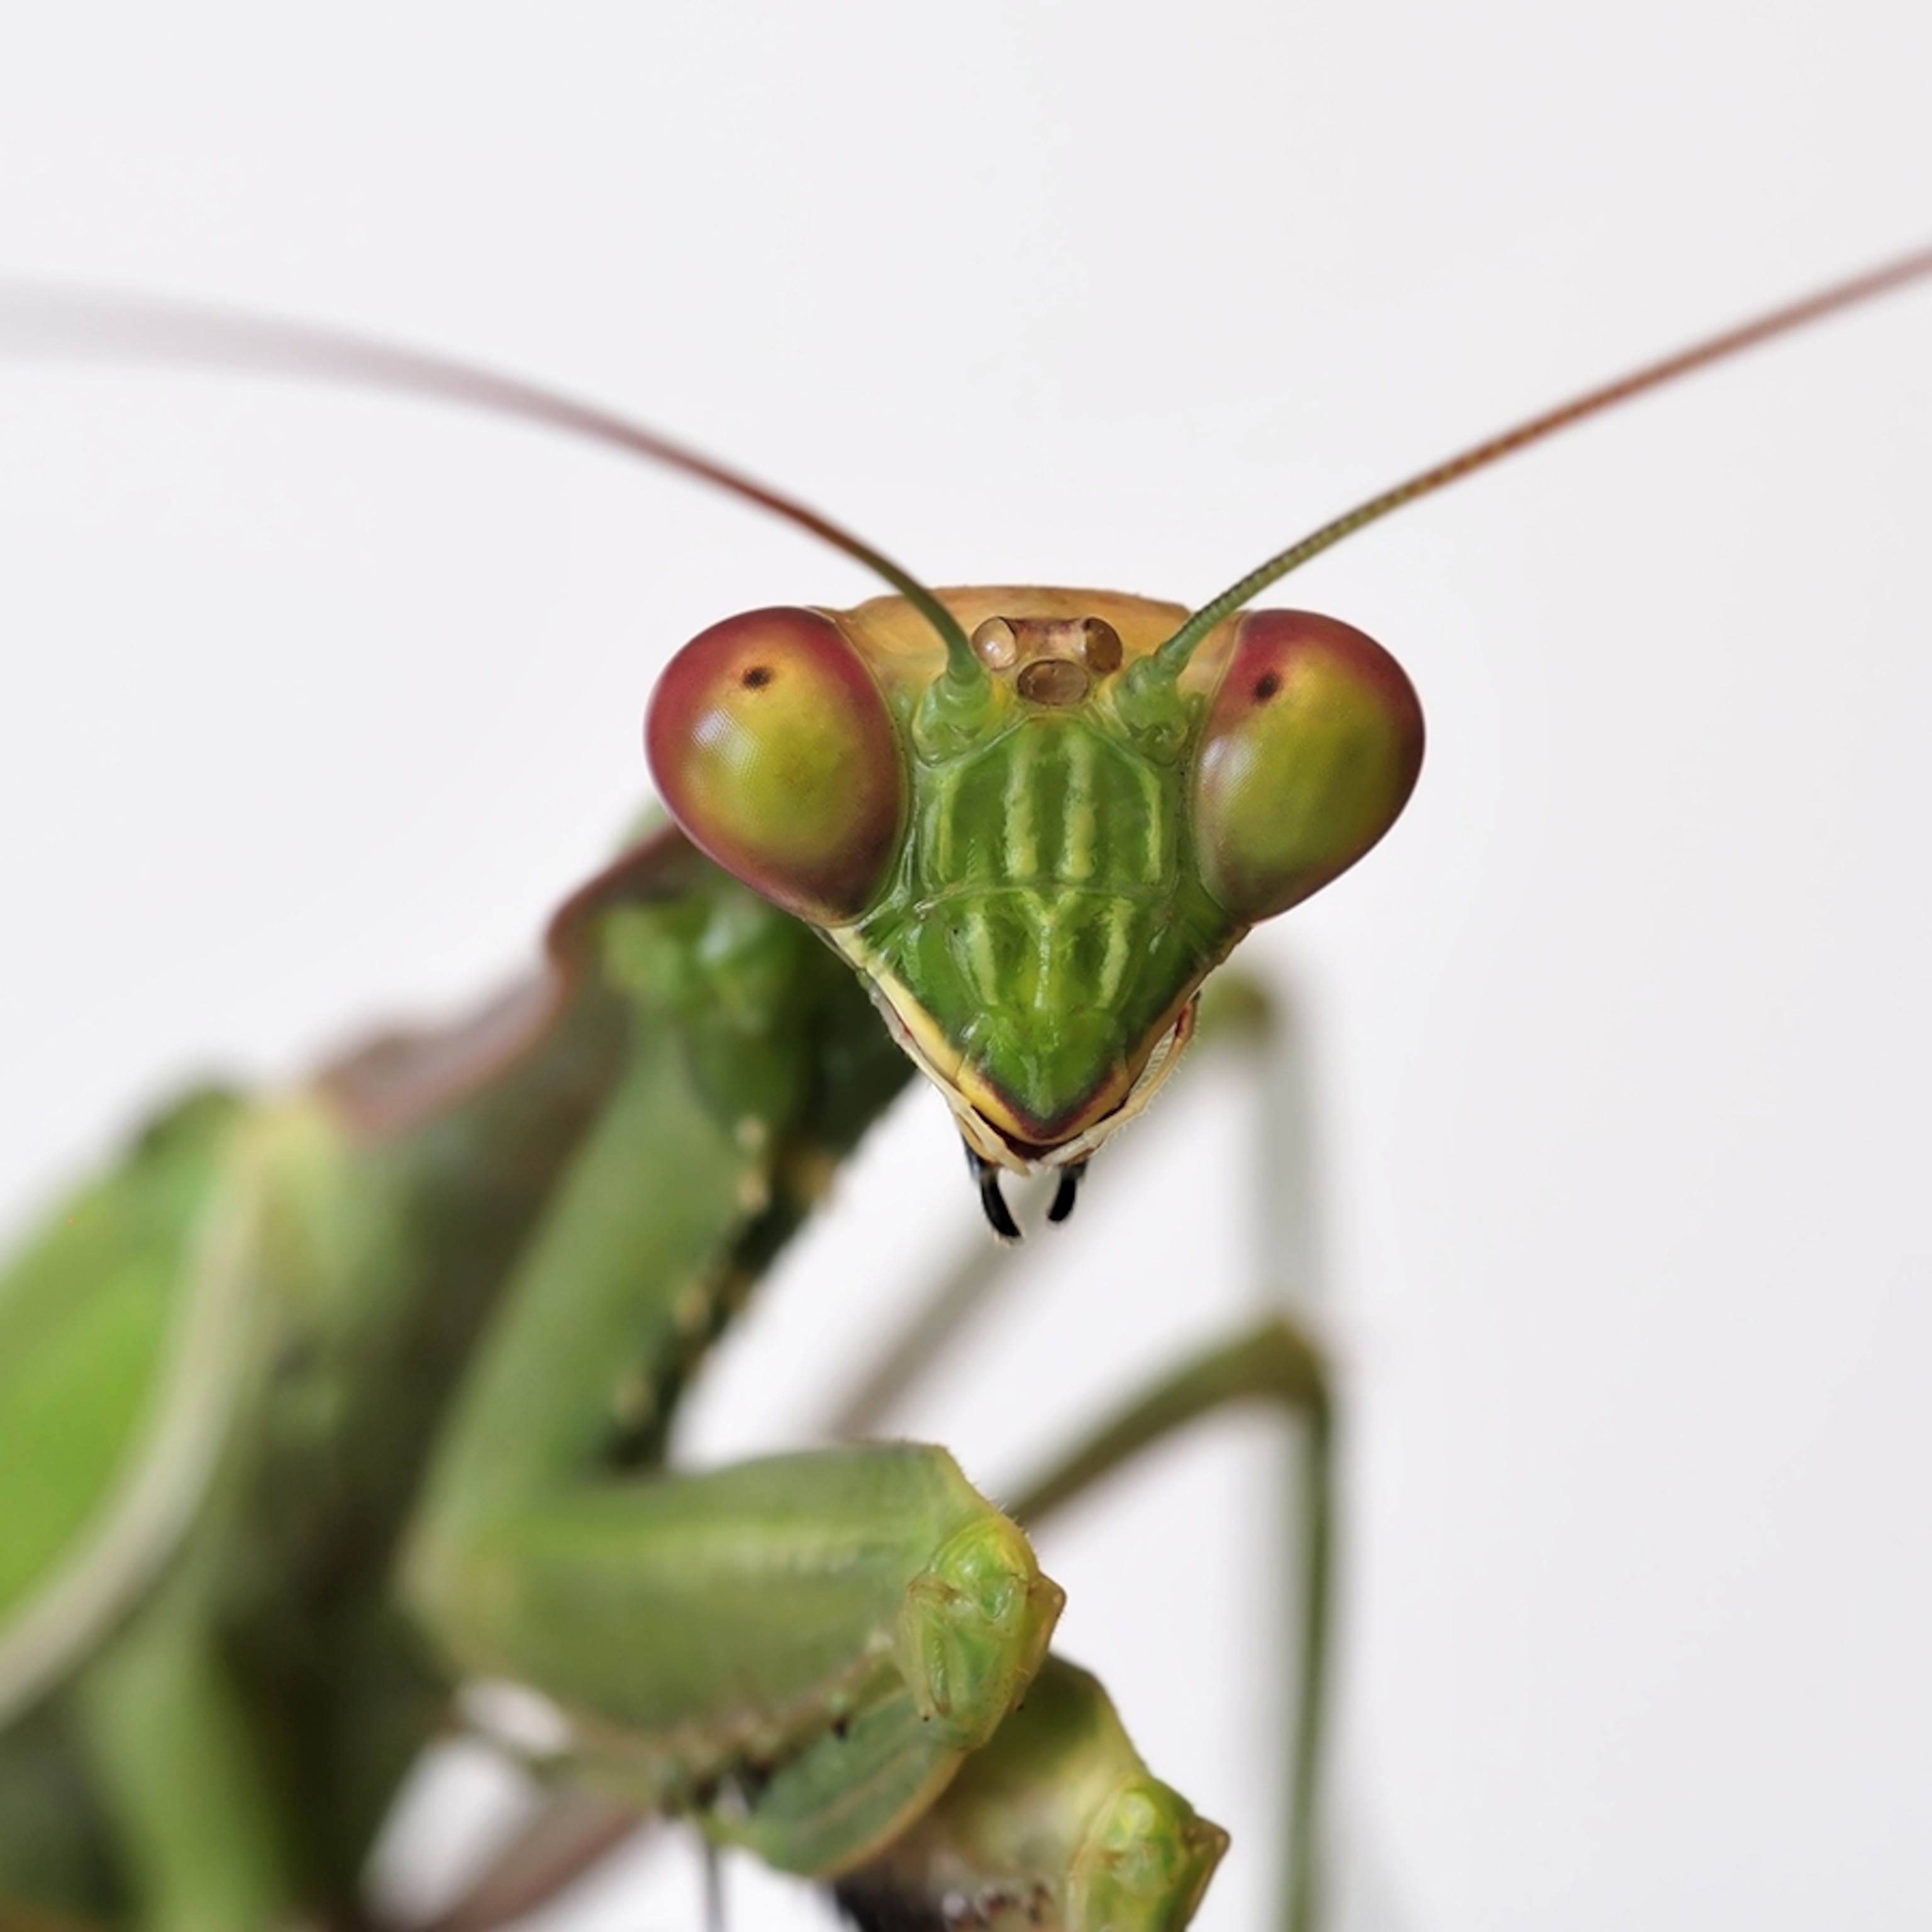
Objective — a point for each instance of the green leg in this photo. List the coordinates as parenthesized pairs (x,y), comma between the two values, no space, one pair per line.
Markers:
(1058,1821)
(1279,1364)
(1057,1824)
(171,1753)
(800,1650)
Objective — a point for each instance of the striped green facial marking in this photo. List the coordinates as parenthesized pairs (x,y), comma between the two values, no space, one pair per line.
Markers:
(1047,926)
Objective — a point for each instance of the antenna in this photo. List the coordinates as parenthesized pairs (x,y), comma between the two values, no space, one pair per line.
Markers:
(41,320)
(1175,653)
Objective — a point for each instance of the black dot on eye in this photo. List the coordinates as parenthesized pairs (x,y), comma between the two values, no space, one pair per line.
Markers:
(1266,685)
(758,677)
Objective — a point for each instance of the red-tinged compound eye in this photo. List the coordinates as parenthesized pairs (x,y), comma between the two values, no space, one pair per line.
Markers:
(771,743)
(1310,752)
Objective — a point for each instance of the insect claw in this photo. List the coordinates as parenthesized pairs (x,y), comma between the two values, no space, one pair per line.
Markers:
(999,1216)
(1067,1193)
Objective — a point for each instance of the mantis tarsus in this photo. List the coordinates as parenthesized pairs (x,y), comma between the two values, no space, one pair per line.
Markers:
(318,1403)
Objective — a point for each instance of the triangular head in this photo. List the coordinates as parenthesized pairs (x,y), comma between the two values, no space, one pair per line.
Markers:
(1035,852)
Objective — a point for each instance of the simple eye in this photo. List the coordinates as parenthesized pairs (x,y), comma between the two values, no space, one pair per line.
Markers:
(772,746)
(1310,751)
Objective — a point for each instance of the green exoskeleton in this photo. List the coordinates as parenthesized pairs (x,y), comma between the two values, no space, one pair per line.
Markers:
(319,1405)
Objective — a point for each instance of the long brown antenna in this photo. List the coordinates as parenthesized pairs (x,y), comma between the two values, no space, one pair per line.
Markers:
(55,321)
(1175,652)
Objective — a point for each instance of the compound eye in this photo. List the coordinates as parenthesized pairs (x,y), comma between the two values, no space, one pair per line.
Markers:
(771,743)
(1312,748)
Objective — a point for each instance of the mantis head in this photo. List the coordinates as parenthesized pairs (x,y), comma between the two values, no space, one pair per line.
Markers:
(1036,835)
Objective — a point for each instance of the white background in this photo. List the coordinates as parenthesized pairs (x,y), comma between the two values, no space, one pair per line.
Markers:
(314,701)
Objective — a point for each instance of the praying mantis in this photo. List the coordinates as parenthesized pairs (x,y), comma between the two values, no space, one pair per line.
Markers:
(905,1745)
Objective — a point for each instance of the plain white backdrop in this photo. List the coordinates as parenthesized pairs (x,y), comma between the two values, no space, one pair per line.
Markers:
(315,701)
